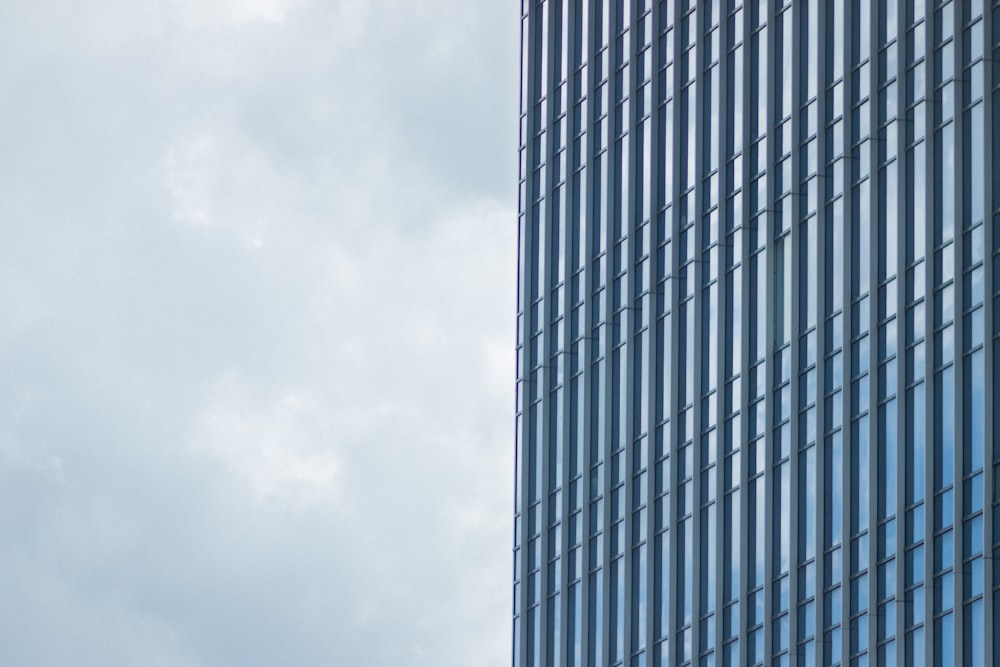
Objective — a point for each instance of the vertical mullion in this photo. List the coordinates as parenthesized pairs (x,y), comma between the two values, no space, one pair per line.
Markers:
(587,239)
(674,624)
(818,292)
(609,278)
(875,259)
(628,330)
(793,22)
(744,297)
(654,362)
(545,311)
(768,234)
(959,329)
(989,388)
(848,350)
(529,271)
(570,45)
(931,364)
(902,230)
(694,348)
(720,324)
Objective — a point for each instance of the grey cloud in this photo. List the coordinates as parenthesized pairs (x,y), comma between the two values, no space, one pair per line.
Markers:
(256,295)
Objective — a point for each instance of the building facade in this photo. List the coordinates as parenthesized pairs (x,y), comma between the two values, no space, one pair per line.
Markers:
(758,333)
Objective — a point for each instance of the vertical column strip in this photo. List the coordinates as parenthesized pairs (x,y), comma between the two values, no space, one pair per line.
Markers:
(847,271)
(654,361)
(961,173)
(606,395)
(875,260)
(818,292)
(546,311)
(675,625)
(903,230)
(528,274)
(793,23)
(569,38)
(588,632)
(626,323)
(744,351)
(768,108)
(695,348)
(932,360)
(989,491)
(721,460)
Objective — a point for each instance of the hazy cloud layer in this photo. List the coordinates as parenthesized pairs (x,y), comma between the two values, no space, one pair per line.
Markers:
(256,319)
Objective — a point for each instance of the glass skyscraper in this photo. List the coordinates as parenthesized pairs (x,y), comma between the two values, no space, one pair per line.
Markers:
(758,333)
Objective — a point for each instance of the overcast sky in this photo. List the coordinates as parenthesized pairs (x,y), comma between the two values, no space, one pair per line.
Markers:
(257,282)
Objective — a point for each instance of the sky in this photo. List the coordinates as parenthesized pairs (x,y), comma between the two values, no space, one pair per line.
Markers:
(257,294)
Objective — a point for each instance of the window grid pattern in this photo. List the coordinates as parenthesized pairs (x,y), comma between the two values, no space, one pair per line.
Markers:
(757,333)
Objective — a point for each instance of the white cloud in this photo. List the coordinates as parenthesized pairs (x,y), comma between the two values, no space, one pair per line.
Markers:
(51,621)
(272,446)
(256,321)
(231,12)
